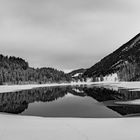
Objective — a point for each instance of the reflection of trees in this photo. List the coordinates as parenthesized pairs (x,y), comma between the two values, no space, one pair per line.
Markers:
(129,95)
(126,109)
(17,102)
(77,91)
(102,94)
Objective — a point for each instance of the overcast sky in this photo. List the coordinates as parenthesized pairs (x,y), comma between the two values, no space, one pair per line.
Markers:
(66,34)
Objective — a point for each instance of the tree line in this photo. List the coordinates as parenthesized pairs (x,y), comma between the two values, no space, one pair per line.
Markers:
(15,70)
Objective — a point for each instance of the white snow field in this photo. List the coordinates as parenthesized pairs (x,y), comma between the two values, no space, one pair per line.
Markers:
(12,88)
(14,127)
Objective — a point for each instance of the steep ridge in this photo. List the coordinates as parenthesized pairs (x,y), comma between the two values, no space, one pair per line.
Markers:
(123,64)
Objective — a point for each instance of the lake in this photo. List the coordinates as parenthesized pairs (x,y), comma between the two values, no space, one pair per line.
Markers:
(94,101)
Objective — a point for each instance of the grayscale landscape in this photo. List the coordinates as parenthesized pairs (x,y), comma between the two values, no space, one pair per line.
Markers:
(69,70)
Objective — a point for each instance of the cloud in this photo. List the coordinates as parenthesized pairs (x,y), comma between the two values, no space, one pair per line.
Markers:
(66,34)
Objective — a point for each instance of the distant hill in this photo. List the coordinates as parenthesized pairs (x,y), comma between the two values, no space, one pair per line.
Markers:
(15,70)
(124,63)
(76,75)
(77,72)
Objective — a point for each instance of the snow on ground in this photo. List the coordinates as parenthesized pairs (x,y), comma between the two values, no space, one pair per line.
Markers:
(77,74)
(132,86)
(111,78)
(12,88)
(15,127)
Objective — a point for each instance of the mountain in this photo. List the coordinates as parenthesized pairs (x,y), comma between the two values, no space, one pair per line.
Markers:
(15,70)
(76,75)
(121,65)
(77,72)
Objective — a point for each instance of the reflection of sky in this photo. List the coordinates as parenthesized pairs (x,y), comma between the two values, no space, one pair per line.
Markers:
(132,102)
(66,34)
(70,106)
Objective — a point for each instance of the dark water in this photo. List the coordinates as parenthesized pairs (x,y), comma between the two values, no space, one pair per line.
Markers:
(72,101)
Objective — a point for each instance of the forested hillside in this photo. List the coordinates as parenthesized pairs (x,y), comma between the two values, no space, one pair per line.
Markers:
(14,70)
(125,62)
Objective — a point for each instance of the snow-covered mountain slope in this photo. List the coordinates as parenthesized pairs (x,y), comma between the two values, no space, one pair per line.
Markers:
(124,64)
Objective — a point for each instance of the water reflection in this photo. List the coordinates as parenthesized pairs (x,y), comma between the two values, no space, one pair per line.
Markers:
(76,101)
(17,102)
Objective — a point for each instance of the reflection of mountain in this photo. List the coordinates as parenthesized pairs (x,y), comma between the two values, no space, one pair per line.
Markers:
(126,110)
(17,102)
(102,95)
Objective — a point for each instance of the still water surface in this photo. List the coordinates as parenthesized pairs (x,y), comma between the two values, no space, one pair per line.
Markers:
(72,101)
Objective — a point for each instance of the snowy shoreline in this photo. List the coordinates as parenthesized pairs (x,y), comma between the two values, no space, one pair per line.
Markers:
(12,88)
(133,86)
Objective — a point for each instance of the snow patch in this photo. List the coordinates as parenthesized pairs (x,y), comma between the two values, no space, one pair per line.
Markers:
(77,74)
(13,88)
(109,78)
